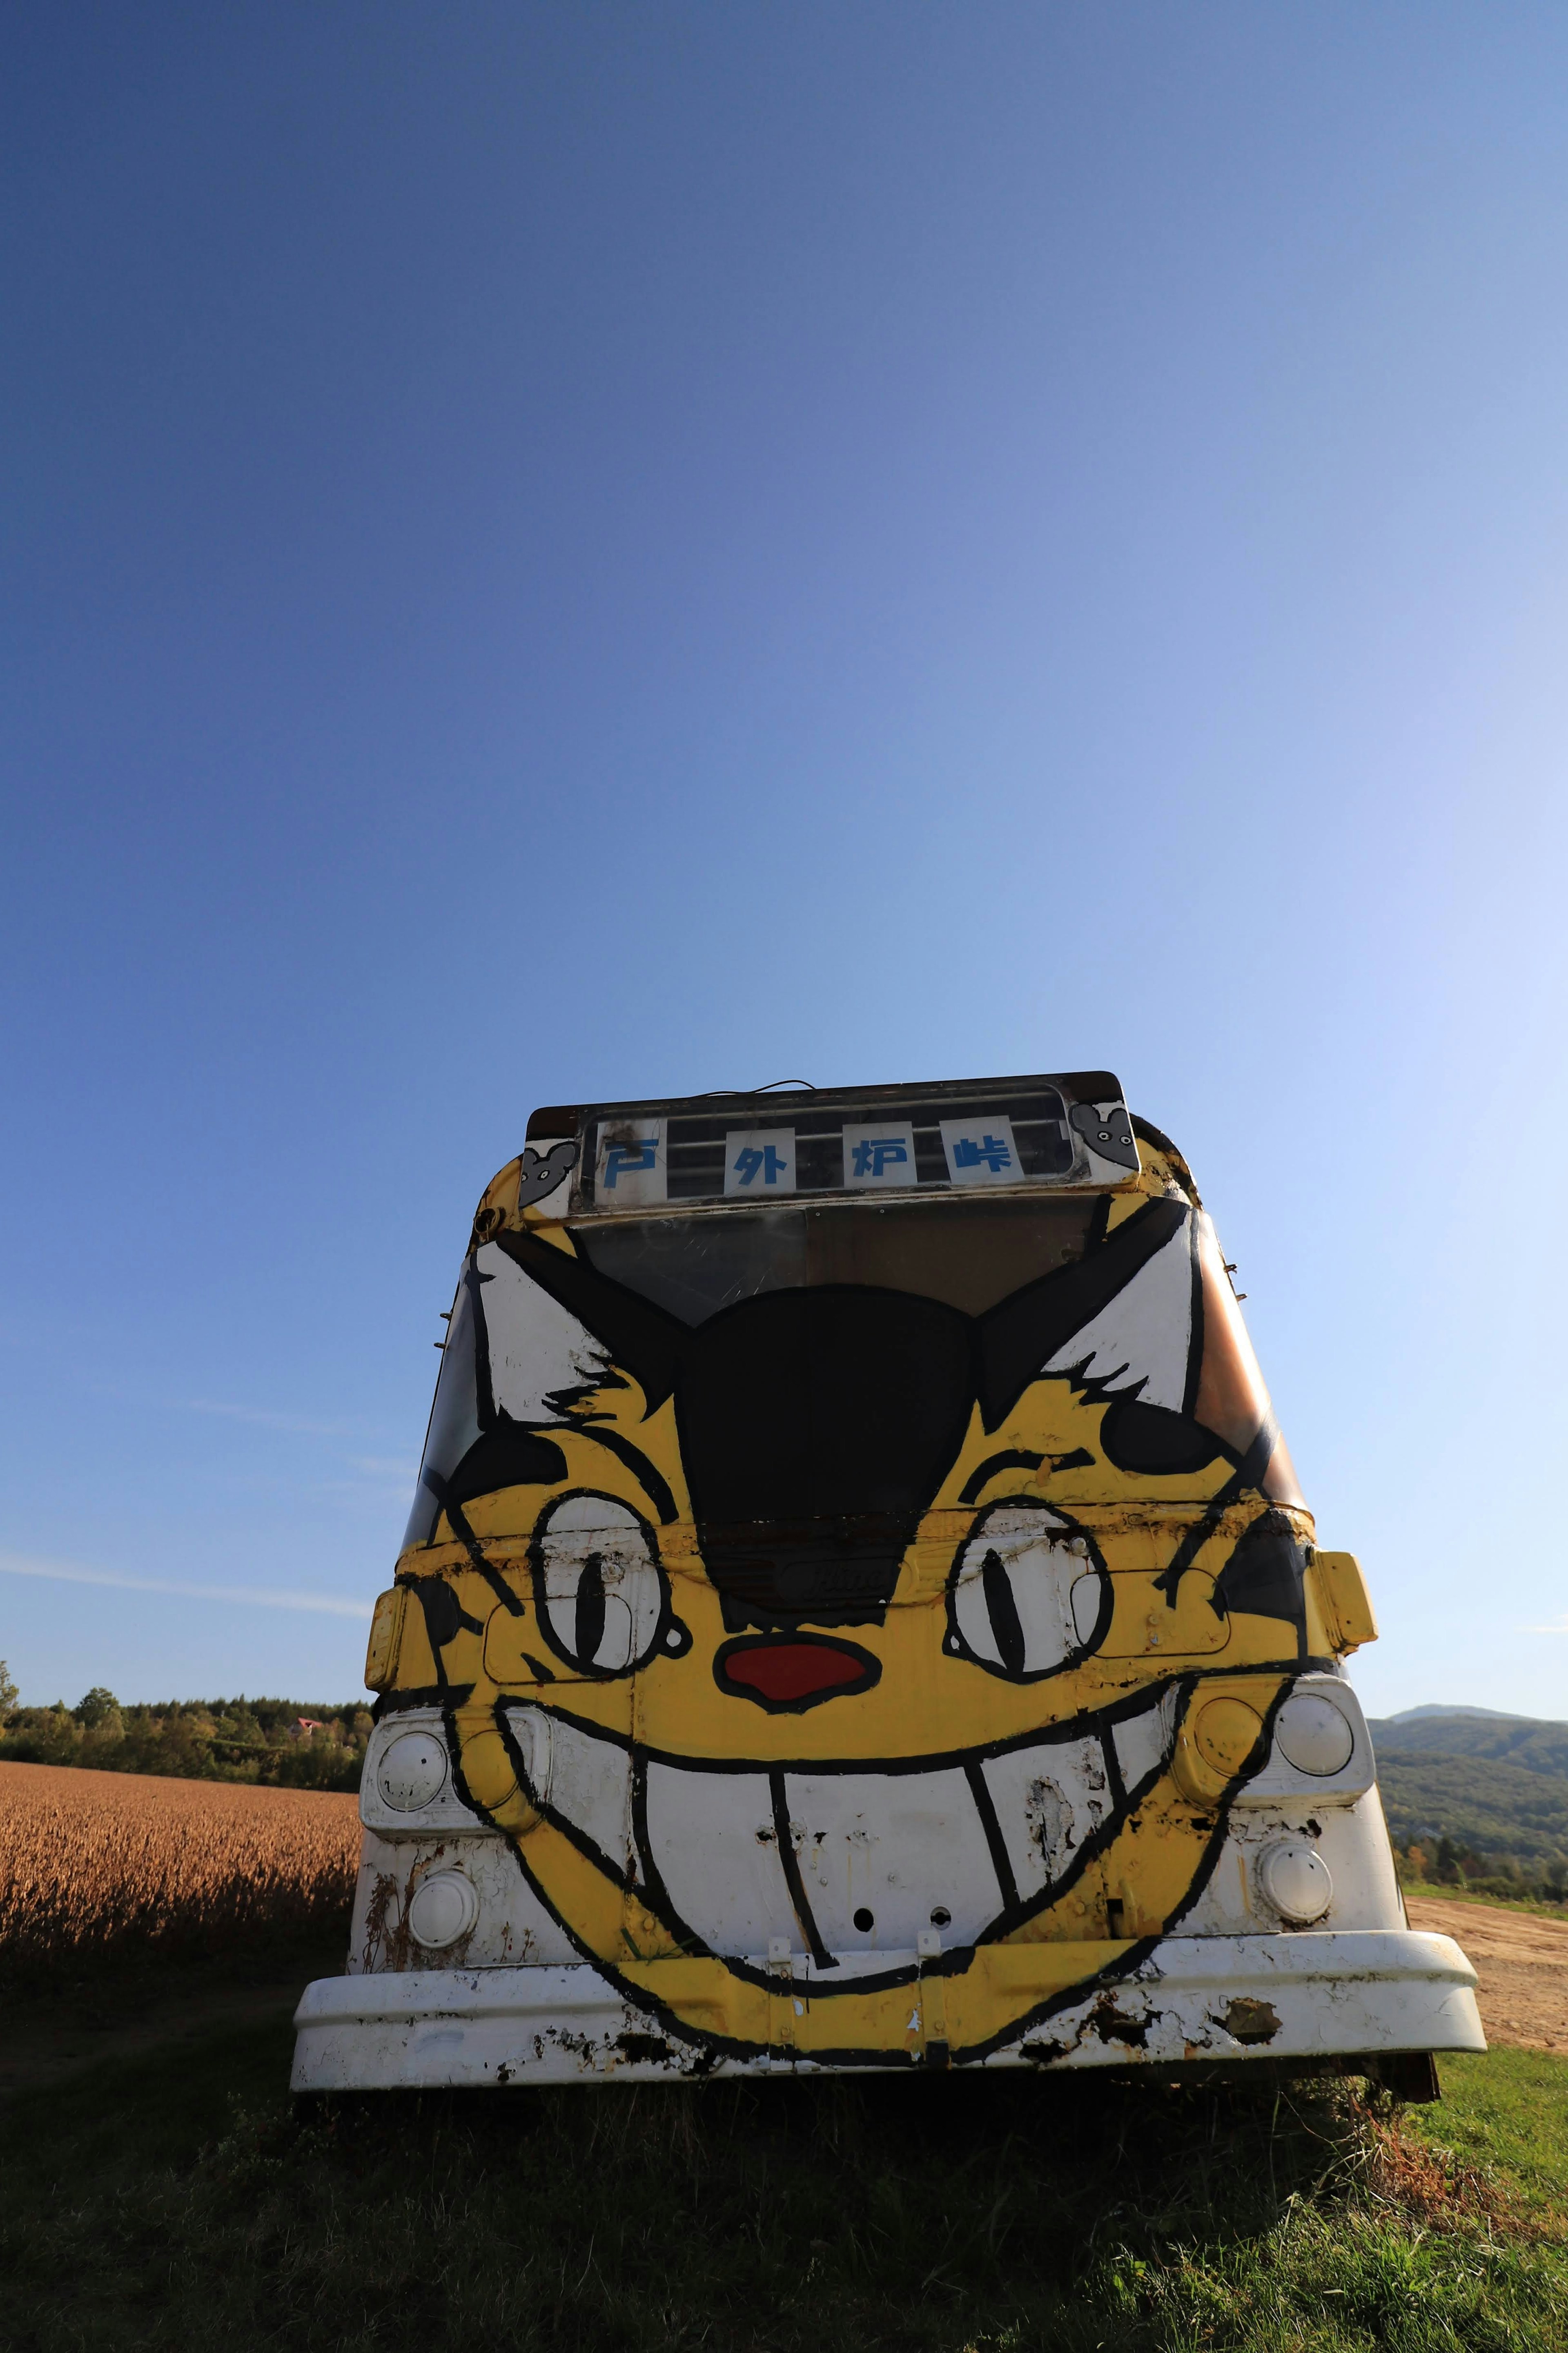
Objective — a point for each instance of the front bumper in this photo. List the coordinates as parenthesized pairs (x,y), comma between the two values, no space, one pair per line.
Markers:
(1307,1999)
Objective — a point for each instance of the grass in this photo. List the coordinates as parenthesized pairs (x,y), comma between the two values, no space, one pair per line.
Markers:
(1506,2116)
(153,2205)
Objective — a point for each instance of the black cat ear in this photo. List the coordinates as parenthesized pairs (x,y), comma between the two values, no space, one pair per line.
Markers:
(641,1339)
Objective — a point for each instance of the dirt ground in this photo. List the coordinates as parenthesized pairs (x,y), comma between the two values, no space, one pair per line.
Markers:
(1522,1961)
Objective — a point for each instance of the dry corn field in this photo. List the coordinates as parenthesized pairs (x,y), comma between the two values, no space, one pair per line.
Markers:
(97,1865)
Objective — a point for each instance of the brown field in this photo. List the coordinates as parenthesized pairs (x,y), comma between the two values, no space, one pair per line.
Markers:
(96,1866)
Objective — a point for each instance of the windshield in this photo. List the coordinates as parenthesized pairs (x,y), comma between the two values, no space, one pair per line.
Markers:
(967,1257)
(840,1330)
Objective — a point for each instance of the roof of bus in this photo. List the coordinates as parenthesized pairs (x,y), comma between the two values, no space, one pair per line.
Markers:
(1078,1086)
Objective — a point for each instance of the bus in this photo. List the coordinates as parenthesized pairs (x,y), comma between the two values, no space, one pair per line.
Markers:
(857,1611)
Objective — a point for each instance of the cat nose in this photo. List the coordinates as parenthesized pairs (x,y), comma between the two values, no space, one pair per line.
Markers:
(786,1673)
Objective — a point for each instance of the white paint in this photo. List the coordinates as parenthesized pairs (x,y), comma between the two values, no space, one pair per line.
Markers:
(1049,1800)
(513,1925)
(1139,1340)
(536,1347)
(897,1845)
(712,1841)
(586,1780)
(1331,1994)
(1144,1743)
(1353,1842)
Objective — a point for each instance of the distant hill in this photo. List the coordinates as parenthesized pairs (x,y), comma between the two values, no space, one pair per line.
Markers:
(1535,1742)
(1492,1714)
(1496,1784)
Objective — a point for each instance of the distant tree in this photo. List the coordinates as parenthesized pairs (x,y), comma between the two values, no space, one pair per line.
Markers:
(94,1706)
(8,1692)
(1446,1869)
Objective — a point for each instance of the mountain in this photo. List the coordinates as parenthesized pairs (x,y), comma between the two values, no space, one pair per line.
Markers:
(1534,1743)
(1495,1783)
(1492,1714)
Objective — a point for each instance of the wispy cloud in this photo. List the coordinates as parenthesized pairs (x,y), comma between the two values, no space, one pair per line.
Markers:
(249,1595)
(1559,1626)
(299,1424)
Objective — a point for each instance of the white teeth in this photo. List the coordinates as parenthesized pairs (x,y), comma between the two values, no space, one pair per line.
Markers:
(876,1848)
(1049,1800)
(1144,1743)
(585,1779)
(895,1846)
(712,1837)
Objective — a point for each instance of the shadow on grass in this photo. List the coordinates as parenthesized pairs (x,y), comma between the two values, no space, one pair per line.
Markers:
(984,2212)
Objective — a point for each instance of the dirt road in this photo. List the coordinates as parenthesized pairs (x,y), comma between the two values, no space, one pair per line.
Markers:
(1522,1963)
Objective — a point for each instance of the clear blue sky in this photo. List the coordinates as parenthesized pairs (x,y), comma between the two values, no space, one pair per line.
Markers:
(560,551)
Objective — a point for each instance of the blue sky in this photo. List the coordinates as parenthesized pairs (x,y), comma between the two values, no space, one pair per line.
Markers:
(560,551)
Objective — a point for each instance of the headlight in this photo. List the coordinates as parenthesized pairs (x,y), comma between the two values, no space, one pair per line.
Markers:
(1312,1733)
(411,1772)
(442,1908)
(1295,1879)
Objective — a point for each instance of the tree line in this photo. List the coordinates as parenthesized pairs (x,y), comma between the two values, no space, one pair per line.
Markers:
(274,1741)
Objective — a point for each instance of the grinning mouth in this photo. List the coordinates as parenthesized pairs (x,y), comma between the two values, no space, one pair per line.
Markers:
(848,1863)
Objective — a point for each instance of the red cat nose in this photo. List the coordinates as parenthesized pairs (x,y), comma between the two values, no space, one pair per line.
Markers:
(788,1672)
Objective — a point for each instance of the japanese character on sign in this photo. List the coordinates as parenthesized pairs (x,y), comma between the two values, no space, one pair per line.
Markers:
(642,1152)
(631,1162)
(981,1151)
(883,1154)
(759,1160)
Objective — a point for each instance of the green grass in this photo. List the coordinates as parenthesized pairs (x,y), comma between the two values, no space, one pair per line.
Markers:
(183,2205)
(1505,2114)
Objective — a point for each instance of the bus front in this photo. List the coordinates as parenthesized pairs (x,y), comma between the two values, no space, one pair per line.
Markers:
(857,1611)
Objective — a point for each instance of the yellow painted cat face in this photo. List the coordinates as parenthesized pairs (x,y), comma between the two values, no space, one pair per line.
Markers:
(847,1716)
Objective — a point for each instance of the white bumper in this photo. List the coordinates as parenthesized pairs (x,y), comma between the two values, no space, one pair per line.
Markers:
(1302,1998)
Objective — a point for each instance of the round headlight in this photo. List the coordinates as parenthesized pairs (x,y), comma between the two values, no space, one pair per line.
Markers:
(1295,1879)
(1312,1733)
(412,1772)
(442,1908)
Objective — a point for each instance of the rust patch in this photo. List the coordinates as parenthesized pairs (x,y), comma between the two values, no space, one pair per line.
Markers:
(650,2050)
(1113,2024)
(383,1930)
(1246,2021)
